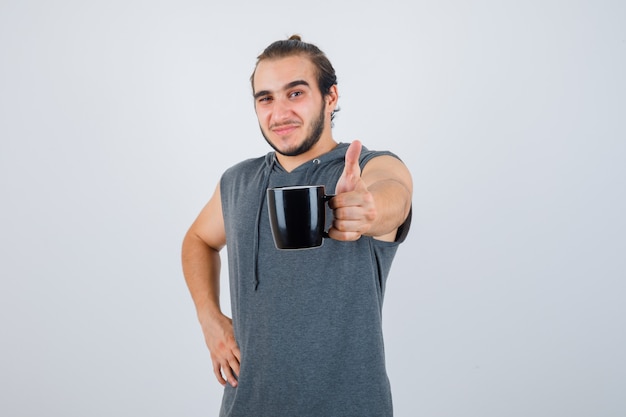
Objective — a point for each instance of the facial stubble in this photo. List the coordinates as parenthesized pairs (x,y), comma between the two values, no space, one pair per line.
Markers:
(315,134)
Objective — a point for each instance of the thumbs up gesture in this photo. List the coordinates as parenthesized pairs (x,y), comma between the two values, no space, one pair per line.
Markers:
(353,206)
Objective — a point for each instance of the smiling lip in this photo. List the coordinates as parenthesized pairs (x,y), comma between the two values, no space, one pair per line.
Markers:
(284,130)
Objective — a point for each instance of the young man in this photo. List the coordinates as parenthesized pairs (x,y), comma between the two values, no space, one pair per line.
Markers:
(306,334)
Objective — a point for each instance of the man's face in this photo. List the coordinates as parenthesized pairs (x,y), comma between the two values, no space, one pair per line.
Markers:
(289,106)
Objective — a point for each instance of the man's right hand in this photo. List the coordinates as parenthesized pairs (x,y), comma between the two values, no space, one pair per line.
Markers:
(225,355)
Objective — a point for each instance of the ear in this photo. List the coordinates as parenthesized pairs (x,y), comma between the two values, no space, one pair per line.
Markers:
(331,99)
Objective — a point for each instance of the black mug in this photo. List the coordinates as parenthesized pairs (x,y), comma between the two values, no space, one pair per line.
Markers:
(298,215)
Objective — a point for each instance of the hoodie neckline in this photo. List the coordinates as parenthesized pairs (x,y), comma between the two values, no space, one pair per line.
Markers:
(337,152)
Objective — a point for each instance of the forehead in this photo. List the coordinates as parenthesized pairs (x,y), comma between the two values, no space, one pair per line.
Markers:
(274,74)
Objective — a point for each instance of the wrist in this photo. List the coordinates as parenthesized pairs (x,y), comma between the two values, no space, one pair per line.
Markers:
(209,314)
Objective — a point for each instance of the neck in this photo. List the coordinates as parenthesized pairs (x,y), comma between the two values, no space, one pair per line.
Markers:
(289,163)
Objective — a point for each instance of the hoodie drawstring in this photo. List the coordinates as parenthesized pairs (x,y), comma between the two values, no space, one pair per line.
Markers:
(265,180)
(264,185)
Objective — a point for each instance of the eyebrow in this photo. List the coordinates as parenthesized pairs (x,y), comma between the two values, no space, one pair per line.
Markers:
(286,87)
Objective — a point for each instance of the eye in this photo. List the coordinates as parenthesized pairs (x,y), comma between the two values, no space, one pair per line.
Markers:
(264,99)
(295,94)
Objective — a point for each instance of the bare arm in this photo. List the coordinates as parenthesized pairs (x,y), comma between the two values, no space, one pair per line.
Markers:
(374,202)
(201,267)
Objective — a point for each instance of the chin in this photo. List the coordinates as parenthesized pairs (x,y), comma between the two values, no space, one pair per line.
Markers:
(294,147)
(284,147)
(289,151)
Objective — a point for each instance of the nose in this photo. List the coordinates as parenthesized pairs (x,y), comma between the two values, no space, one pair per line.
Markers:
(281,111)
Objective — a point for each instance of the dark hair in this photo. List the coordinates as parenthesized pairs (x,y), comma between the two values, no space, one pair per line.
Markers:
(326,76)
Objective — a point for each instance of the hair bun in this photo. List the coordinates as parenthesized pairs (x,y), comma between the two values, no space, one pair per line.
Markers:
(295,38)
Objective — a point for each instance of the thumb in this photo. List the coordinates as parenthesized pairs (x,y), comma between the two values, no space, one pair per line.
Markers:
(351,174)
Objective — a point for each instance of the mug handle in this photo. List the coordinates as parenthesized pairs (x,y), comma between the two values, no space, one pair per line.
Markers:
(327,198)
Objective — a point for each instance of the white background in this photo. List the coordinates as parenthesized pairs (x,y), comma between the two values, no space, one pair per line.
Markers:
(118,117)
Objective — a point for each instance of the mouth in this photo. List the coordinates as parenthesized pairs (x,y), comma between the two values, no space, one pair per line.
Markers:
(284,129)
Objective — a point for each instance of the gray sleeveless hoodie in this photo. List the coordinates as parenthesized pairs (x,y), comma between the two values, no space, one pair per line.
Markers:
(308,322)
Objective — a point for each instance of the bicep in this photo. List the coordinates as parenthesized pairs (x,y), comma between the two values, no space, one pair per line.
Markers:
(387,168)
(209,225)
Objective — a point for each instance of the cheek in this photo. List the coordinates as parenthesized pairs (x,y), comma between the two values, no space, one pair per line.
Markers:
(262,114)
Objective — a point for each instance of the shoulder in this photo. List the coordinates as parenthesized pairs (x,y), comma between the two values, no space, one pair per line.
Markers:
(246,165)
(243,170)
(367,155)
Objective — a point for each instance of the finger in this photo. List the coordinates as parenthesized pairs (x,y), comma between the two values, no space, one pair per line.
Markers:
(217,370)
(237,353)
(348,214)
(228,374)
(359,226)
(359,197)
(234,365)
(352,170)
(336,234)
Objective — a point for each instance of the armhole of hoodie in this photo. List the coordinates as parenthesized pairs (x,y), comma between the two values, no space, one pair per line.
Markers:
(403,229)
